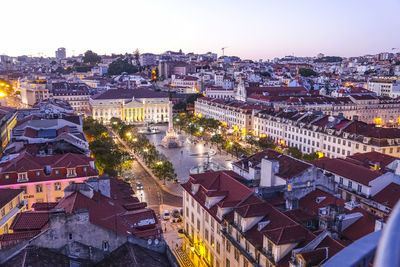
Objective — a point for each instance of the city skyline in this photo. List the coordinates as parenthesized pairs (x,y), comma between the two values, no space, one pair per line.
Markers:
(257,30)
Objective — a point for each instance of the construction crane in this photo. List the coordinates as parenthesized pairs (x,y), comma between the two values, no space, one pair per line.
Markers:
(223,50)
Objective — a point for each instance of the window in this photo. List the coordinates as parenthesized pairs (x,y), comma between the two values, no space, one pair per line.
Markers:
(198,224)
(341,180)
(70,236)
(105,246)
(206,234)
(350,184)
(71,172)
(85,169)
(359,188)
(228,263)
(57,186)
(245,263)
(57,172)
(228,245)
(22,177)
(236,253)
(247,246)
(37,173)
(7,176)
(218,248)
(39,188)
(11,205)
(192,218)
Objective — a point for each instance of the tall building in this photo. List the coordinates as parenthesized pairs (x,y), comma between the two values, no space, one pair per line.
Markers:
(61,53)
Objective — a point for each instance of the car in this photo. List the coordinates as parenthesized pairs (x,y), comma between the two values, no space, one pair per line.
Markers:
(175,213)
(166,215)
(139,186)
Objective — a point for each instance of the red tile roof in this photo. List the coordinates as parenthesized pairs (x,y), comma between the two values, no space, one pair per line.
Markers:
(348,170)
(30,220)
(388,196)
(6,195)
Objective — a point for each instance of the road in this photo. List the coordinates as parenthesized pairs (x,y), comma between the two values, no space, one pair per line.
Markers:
(152,193)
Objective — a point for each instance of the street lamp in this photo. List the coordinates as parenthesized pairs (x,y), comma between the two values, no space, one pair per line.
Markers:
(134,139)
(129,134)
(145,150)
(159,163)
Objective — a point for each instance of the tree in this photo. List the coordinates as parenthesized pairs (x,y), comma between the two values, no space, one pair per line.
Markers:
(164,170)
(266,142)
(310,157)
(122,65)
(192,98)
(295,152)
(91,58)
(307,72)
(136,55)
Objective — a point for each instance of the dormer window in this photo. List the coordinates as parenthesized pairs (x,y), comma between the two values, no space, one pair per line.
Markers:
(22,177)
(7,176)
(71,172)
(85,169)
(57,172)
(37,173)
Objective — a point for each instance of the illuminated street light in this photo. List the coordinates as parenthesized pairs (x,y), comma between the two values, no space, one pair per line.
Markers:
(134,139)
(159,163)
(231,143)
(128,134)
(145,150)
(2,94)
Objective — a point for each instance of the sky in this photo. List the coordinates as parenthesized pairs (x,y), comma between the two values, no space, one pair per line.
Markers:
(251,29)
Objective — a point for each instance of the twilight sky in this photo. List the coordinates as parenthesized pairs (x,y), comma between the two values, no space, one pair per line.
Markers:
(255,29)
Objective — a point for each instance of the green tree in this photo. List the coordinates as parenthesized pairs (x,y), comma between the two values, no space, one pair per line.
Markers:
(310,157)
(294,152)
(307,72)
(91,58)
(122,65)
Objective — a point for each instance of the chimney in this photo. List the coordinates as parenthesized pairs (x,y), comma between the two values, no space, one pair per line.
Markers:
(268,170)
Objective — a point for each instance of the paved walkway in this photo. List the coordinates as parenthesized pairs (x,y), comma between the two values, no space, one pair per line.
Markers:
(190,155)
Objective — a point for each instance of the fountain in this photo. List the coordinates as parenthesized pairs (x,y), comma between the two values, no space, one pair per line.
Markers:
(206,166)
(149,130)
(171,139)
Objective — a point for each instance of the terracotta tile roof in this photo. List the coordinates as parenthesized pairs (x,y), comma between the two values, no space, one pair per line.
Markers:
(6,195)
(373,157)
(388,196)
(348,170)
(287,234)
(288,167)
(41,206)
(312,202)
(30,221)
(35,167)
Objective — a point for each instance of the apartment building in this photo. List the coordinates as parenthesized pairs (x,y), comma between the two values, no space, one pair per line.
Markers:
(33,91)
(384,87)
(227,224)
(11,203)
(44,178)
(333,136)
(232,113)
(8,119)
(78,99)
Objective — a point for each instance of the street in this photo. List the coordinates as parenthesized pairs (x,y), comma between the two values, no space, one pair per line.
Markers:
(152,193)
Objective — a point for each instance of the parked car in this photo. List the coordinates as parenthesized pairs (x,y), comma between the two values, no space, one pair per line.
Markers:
(166,215)
(139,186)
(175,213)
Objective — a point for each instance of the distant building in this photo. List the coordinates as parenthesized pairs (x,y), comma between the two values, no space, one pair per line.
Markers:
(33,91)
(148,59)
(389,88)
(61,53)
(130,105)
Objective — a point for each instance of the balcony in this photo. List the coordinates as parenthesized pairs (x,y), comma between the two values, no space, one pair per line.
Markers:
(242,251)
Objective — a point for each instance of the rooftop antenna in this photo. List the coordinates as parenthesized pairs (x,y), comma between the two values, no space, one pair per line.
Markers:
(223,50)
